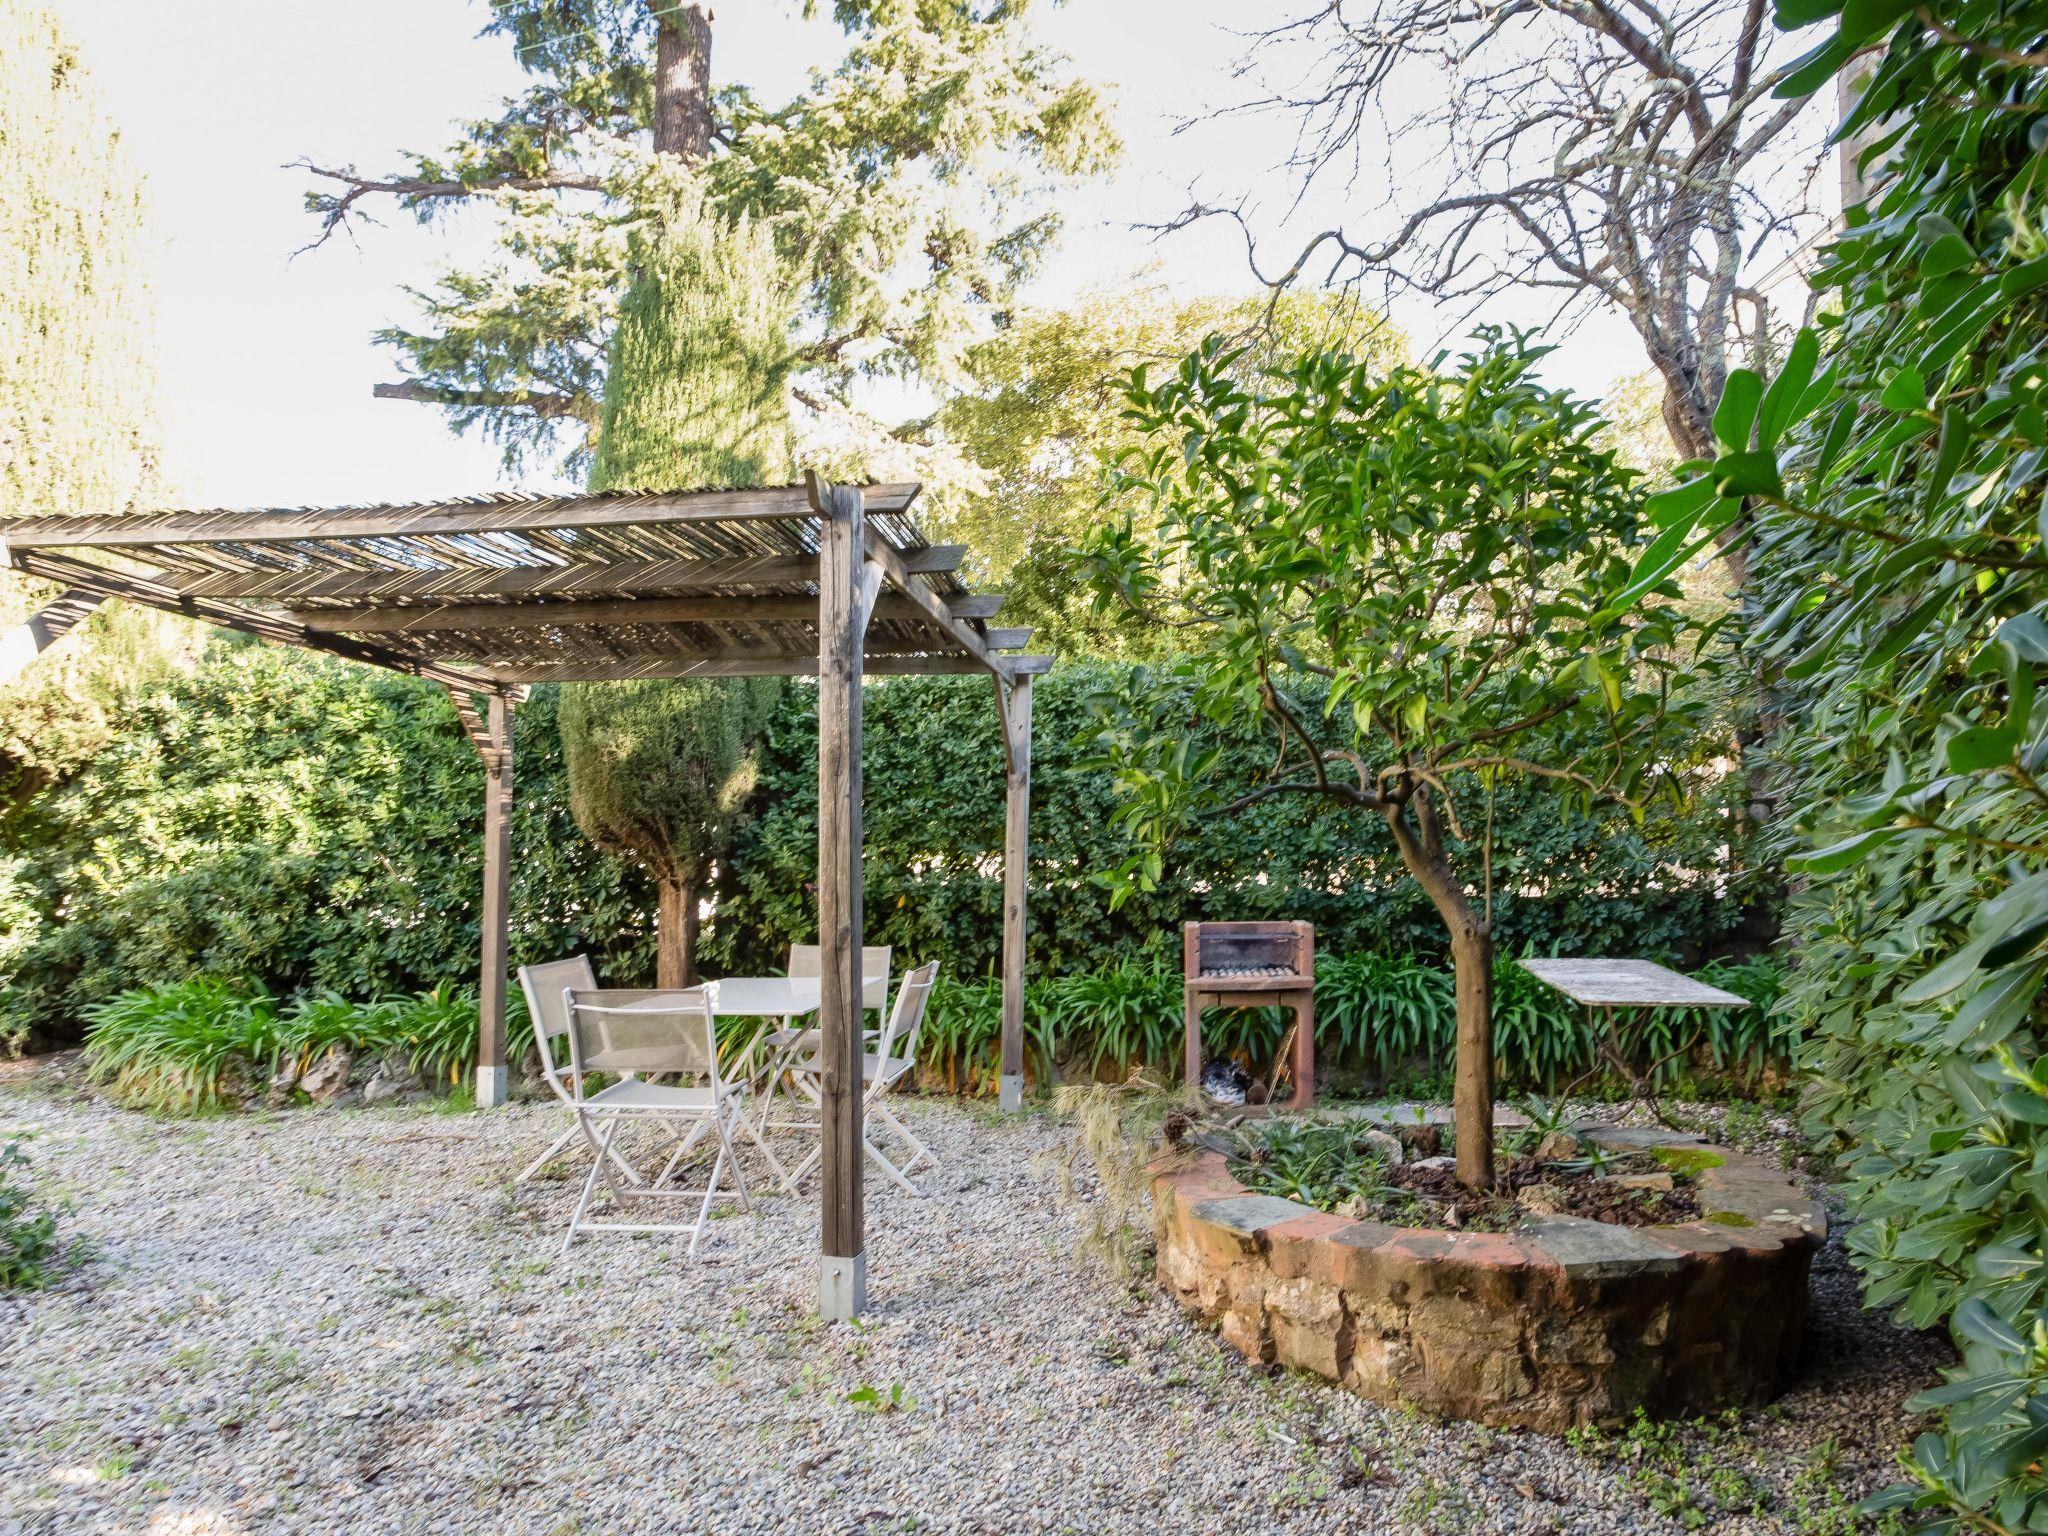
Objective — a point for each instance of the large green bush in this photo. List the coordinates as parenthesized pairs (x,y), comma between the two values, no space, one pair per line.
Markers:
(1893,472)
(301,823)
(1567,880)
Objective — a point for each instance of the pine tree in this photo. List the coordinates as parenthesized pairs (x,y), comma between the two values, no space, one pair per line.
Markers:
(78,386)
(906,193)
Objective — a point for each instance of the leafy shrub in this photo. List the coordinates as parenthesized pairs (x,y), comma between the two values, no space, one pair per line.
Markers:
(181,1048)
(28,1237)
(309,824)
(1893,476)
(1568,880)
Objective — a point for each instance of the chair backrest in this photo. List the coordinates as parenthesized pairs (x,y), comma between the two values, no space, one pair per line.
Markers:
(642,1033)
(874,971)
(543,986)
(899,1035)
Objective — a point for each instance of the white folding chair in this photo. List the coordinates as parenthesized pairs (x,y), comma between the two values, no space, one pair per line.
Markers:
(639,1035)
(780,1047)
(544,986)
(890,1063)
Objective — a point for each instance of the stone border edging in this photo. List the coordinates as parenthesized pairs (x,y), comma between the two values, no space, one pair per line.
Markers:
(1561,1322)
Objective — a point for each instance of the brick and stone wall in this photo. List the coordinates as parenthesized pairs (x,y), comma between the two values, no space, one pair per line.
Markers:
(1558,1323)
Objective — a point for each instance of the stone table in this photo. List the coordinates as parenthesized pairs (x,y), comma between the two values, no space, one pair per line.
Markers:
(1605,985)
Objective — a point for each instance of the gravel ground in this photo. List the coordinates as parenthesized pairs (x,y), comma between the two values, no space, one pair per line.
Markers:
(350,1321)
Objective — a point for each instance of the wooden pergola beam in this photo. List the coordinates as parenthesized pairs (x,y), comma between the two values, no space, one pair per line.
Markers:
(453,518)
(539,581)
(741,662)
(901,577)
(373,620)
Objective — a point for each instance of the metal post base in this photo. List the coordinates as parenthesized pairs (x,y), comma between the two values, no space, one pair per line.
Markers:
(492,1087)
(1010,1093)
(842,1287)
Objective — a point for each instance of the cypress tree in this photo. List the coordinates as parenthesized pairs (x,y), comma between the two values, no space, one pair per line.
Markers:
(696,388)
(695,397)
(79,419)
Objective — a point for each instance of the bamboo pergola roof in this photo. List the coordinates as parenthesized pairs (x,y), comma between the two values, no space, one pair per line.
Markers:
(490,593)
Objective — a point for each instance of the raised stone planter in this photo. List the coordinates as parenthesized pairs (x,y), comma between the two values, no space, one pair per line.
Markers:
(1559,1323)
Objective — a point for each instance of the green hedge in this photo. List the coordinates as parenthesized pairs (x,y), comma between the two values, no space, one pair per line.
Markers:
(307,824)
(315,827)
(1567,881)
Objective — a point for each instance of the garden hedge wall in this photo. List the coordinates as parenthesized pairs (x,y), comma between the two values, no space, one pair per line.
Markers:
(1567,881)
(304,824)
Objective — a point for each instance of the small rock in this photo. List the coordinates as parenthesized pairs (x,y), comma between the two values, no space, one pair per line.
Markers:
(1556,1146)
(1543,1199)
(1435,1162)
(1388,1147)
(324,1081)
(389,1082)
(277,1093)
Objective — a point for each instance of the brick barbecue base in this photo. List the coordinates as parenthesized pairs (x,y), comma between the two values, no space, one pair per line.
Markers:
(1561,1322)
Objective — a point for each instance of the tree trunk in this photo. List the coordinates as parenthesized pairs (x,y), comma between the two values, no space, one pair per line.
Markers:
(675,935)
(1472,1096)
(1423,854)
(682,83)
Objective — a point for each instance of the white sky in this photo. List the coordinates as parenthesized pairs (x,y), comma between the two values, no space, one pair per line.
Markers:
(268,360)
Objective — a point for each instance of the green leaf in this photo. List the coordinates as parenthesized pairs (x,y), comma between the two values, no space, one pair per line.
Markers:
(1951,253)
(1754,473)
(1981,748)
(1735,417)
(1787,389)
(1907,391)
(1847,853)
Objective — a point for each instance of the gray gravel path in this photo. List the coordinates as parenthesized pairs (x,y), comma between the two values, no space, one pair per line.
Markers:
(347,1321)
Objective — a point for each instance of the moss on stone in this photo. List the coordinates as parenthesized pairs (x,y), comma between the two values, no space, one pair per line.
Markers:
(1690,1161)
(1729,1219)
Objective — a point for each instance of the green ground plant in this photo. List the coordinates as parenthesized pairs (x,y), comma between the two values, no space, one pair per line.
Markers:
(29,1250)
(205,1043)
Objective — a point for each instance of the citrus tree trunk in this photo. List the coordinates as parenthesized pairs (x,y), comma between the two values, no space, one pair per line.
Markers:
(1420,841)
(1472,1096)
(675,935)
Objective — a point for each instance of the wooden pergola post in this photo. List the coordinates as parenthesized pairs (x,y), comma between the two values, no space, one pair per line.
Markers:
(847,584)
(491,735)
(1016,707)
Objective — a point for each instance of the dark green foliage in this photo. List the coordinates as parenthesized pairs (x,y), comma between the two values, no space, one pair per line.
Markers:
(1894,470)
(306,824)
(28,1236)
(1570,879)
(696,382)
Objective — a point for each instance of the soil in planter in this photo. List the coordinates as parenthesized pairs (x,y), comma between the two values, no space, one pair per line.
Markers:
(1439,1200)
(1358,1172)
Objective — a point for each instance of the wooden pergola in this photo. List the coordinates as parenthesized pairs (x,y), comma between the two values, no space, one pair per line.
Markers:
(489,595)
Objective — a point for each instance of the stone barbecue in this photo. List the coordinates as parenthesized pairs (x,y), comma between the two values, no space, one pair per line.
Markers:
(1253,965)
